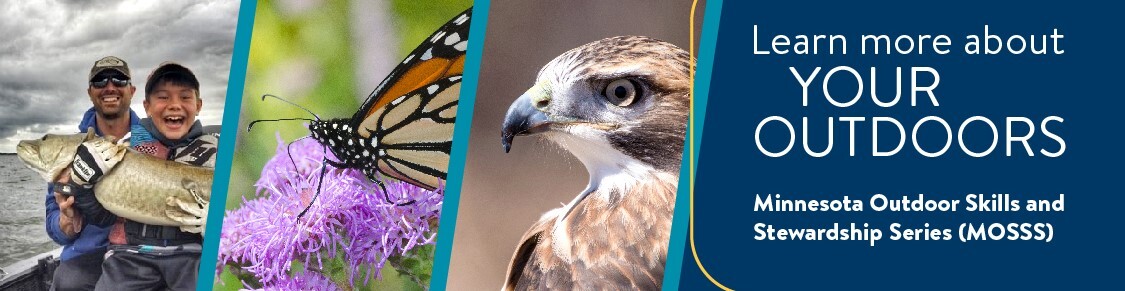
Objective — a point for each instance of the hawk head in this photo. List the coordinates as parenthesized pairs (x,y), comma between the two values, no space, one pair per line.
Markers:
(617,104)
(620,105)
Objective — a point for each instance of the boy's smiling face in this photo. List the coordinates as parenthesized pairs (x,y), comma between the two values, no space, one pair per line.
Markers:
(173,109)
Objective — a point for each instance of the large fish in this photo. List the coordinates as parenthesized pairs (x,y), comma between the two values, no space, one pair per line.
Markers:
(141,188)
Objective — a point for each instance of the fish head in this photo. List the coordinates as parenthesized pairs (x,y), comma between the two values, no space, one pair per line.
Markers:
(51,155)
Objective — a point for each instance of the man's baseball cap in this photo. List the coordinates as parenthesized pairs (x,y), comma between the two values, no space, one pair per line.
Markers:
(110,63)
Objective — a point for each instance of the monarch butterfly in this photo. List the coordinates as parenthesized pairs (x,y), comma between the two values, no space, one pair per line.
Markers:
(404,129)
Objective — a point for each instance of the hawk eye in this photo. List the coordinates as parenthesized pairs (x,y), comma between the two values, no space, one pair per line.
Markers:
(622,92)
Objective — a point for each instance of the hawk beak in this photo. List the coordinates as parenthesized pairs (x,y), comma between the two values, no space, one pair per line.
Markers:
(522,119)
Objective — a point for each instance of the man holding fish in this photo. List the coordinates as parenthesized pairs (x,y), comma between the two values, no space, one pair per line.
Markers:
(84,245)
(161,250)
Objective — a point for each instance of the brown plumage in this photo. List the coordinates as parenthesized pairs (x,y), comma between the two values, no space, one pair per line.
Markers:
(620,106)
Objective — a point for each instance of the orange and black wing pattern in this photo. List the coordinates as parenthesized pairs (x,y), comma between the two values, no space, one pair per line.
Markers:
(440,56)
(405,128)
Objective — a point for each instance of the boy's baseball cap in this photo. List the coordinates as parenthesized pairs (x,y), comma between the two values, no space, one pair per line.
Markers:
(169,71)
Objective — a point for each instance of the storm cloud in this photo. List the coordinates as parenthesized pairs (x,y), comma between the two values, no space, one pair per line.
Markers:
(50,46)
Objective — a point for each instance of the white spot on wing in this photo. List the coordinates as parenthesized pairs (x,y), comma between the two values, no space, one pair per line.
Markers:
(428,55)
(432,89)
(455,78)
(461,19)
(452,39)
(408,58)
(461,46)
(398,100)
(437,36)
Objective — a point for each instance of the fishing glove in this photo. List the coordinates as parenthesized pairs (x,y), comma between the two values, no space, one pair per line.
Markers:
(93,160)
(191,213)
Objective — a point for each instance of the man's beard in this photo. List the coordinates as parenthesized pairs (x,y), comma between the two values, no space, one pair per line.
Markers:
(110,113)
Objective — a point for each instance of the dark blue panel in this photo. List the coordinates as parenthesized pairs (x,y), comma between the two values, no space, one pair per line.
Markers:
(1080,85)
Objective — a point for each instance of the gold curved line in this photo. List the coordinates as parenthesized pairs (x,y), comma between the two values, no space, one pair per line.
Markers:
(691,155)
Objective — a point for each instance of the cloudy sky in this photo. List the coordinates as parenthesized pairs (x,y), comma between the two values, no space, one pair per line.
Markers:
(49,46)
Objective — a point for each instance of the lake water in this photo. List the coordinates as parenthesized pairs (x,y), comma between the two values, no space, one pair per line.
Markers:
(22,193)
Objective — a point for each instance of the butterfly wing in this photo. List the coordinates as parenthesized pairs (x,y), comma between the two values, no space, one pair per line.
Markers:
(440,56)
(409,117)
(414,133)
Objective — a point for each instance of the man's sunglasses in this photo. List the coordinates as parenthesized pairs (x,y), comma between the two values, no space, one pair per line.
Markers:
(117,81)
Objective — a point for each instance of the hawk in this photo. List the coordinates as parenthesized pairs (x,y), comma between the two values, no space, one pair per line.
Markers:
(620,105)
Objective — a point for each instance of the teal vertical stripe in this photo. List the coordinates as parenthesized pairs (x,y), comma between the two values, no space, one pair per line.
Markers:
(706,54)
(460,145)
(231,109)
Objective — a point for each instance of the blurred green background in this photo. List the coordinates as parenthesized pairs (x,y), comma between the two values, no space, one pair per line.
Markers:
(326,56)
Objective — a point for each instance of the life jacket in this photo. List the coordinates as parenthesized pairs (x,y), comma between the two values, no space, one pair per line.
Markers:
(198,147)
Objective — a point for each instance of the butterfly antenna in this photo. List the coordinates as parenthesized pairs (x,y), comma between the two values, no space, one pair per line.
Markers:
(251,126)
(315,117)
(291,103)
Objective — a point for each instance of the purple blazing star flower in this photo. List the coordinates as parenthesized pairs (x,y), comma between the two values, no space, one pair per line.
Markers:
(264,236)
(311,281)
